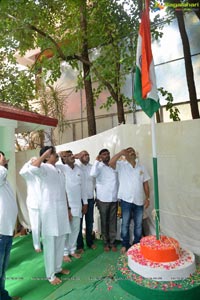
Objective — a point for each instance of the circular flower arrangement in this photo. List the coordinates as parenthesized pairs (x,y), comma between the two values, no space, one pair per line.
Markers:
(151,289)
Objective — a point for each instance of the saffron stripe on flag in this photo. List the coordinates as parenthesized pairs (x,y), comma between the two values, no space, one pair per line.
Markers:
(145,90)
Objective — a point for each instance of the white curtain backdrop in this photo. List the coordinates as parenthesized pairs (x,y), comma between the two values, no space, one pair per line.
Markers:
(178,147)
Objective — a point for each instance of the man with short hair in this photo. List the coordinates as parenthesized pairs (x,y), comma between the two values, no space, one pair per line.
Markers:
(54,211)
(106,191)
(76,193)
(8,216)
(83,161)
(133,192)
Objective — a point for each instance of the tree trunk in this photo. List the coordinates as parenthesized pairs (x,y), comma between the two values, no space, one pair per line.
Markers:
(86,74)
(188,66)
(89,101)
(120,111)
(158,118)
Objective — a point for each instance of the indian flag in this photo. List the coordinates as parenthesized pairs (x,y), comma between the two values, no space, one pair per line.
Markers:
(145,90)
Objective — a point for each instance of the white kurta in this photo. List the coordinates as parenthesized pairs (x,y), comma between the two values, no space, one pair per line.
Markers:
(76,191)
(33,202)
(89,181)
(8,206)
(33,186)
(75,188)
(106,182)
(53,208)
(54,216)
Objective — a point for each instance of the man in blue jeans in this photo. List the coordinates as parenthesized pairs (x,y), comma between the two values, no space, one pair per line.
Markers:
(84,163)
(133,192)
(8,216)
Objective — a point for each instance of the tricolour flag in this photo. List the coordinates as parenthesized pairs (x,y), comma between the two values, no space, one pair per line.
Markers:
(145,90)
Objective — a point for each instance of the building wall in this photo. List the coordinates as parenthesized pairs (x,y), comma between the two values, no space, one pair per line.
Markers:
(170,74)
(78,129)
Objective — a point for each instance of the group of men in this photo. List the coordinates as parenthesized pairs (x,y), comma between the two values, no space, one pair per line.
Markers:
(59,193)
(56,199)
(122,179)
(61,189)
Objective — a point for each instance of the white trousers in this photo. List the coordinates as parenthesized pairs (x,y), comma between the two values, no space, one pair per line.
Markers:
(53,255)
(35,222)
(71,238)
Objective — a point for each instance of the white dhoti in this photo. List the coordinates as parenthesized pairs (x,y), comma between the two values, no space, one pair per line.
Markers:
(35,222)
(71,238)
(53,255)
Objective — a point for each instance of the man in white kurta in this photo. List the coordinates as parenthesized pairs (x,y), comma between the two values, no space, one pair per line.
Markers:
(8,216)
(76,193)
(53,210)
(33,202)
(106,191)
(83,162)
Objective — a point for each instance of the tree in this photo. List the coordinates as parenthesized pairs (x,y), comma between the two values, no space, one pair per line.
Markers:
(71,31)
(179,14)
(86,70)
(31,24)
(188,65)
(68,31)
(116,56)
(16,86)
(60,30)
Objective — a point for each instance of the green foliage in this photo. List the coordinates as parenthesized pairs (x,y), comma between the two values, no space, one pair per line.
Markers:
(116,57)
(173,110)
(97,91)
(16,86)
(55,28)
(107,105)
(80,82)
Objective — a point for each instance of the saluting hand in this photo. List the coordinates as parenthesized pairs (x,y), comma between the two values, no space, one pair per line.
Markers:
(99,158)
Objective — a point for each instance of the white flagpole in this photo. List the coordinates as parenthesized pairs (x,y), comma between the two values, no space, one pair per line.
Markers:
(155,176)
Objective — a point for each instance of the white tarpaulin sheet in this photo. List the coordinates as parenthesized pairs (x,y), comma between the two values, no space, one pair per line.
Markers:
(178,148)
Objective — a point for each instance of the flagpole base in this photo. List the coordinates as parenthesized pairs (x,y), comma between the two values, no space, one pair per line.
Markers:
(161,271)
(145,279)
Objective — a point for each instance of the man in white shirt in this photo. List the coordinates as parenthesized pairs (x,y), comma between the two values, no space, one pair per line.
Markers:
(133,192)
(33,202)
(83,159)
(76,193)
(8,216)
(53,210)
(106,191)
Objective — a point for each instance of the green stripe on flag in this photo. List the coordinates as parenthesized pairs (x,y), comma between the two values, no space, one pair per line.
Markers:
(149,106)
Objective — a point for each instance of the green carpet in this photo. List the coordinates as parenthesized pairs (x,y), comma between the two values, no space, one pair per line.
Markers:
(144,288)
(94,281)
(91,277)
(98,275)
